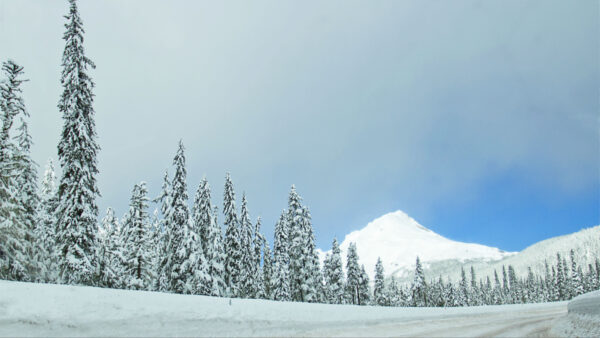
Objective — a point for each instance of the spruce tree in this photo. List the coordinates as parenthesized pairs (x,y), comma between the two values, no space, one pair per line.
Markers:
(257,244)
(267,272)
(163,260)
(334,275)
(233,244)
(379,287)
(77,151)
(364,293)
(576,277)
(111,261)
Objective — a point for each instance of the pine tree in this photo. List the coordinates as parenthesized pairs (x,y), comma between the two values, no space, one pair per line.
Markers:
(419,286)
(280,284)
(77,151)
(379,287)
(137,236)
(233,243)
(14,231)
(352,275)
(177,226)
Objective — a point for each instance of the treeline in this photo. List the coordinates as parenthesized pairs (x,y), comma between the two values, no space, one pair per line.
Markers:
(49,232)
(561,281)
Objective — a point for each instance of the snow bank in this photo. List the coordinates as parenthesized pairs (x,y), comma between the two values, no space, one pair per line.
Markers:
(583,319)
(29,309)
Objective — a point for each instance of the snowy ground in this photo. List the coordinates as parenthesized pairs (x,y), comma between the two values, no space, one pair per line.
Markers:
(28,309)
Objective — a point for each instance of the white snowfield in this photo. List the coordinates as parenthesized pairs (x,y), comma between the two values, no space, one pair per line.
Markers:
(583,319)
(29,309)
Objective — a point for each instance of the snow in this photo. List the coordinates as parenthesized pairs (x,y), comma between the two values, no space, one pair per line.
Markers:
(398,239)
(29,309)
(583,319)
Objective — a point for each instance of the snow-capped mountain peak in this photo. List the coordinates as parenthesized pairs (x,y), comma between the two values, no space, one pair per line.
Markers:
(398,239)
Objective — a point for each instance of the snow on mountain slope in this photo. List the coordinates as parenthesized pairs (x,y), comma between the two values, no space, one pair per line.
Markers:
(585,244)
(398,240)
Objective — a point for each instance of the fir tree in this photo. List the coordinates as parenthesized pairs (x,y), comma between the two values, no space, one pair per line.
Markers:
(576,277)
(280,284)
(77,151)
(352,275)
(137,237)
(163,260)
(44,230)
(111,261)
(14,232)
(257,244)
(364,293)
(177,227)
(379,287)
(267,271)
(334,275)
(233,242)
(419,286)
(247,282)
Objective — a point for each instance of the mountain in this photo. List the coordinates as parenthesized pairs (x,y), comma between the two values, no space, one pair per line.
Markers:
(398,239)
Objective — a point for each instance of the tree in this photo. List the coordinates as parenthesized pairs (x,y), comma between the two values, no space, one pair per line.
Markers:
(280,285)
(138,272)
(334,275)
(379,287)
(419,286)
(364,293)
(110,252)
(267,270)
(163,257)
(14,260)
(177,226)
(257,244)
(77,151)
(247,273)
(352,275)
(205,220)
(44,229)
(233,243)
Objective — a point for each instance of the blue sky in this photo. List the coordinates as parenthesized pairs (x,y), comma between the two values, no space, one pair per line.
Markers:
(477,118)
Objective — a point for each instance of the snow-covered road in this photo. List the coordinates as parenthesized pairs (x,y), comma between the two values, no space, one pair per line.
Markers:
(28,309)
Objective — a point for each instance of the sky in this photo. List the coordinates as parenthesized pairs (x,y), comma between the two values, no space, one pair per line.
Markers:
(480,119)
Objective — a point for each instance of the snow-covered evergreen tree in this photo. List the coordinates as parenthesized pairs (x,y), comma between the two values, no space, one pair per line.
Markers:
(463,297)
(177,226)
(352,275)
(280,285)
(247,274)
(334,275)
(77,211)
(44,229)
(576,285)
(111,261)
(267,271)
(163,268)
(379,285)
(257,244)
(14,251)
(233,242)
(138,272)
(364,291)
(205,220)
(419,286)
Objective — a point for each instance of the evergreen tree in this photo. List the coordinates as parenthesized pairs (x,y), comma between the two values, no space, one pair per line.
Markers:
(364,293)
(334,275)
(205,220)
(247,282)
(352,275)
(233,242)
(111,267)
(419,286)
(267,270)
(14,231)
(280,284)
(379,287)
(177,227)
(77,151)
(497,298)
(163,261)
(44,230)
(463,297)
(257,244)
(576,277)
(137,237)
(561,283)
(475,298)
